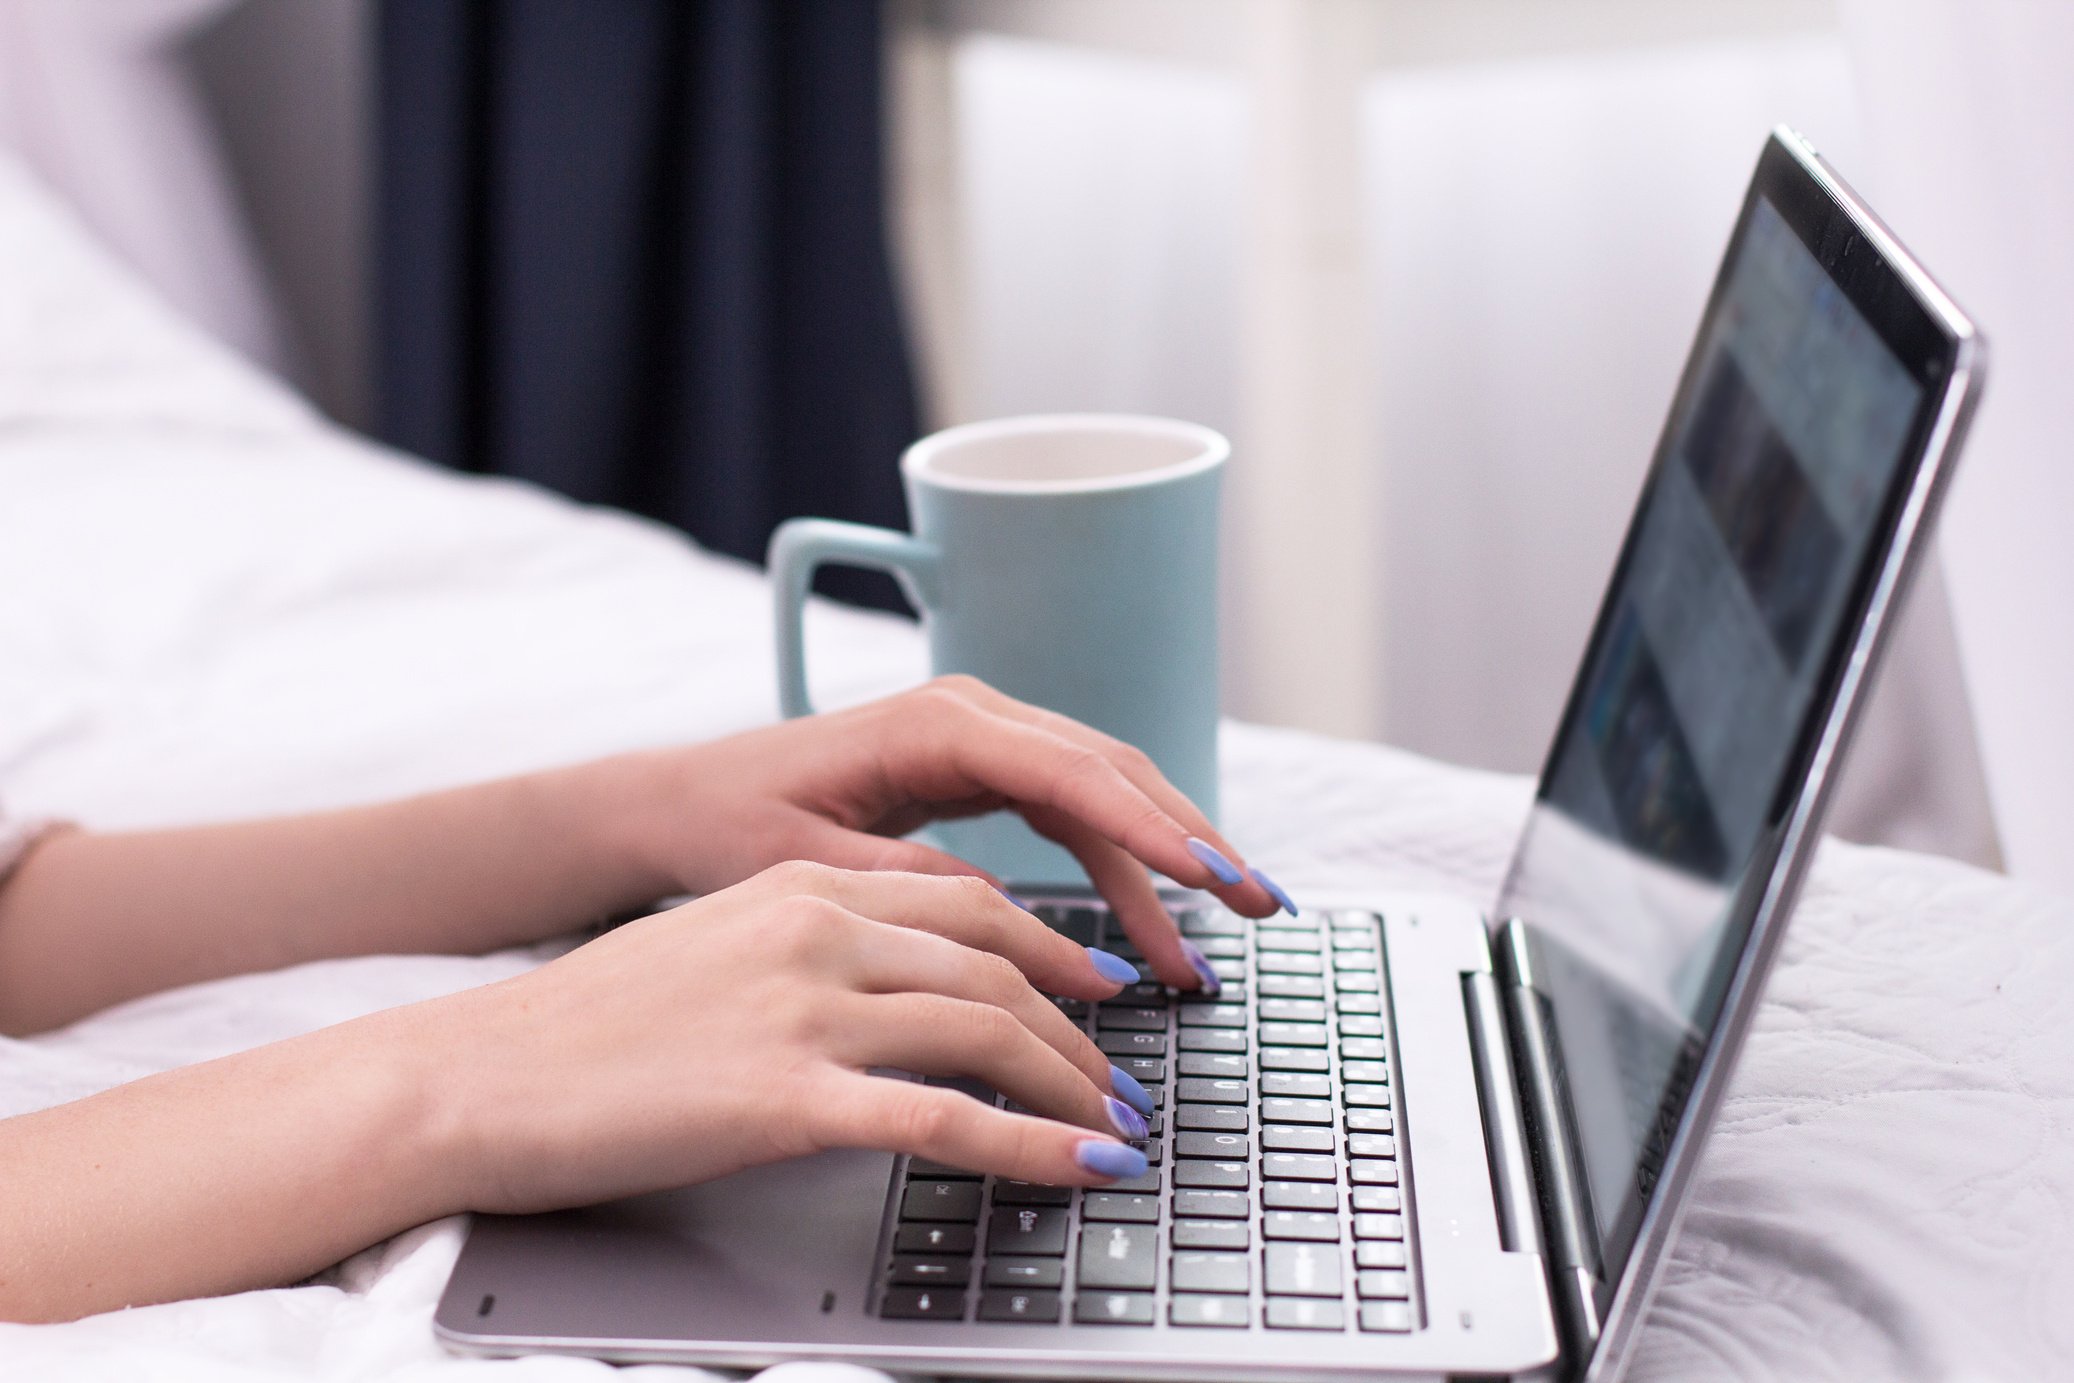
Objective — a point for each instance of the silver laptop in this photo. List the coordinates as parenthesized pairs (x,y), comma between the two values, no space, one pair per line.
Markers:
(1410,1137)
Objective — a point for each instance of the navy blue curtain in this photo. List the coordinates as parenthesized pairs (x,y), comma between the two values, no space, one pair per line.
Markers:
(633,250)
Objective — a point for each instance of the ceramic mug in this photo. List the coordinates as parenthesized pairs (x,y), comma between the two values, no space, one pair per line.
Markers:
(1068,560)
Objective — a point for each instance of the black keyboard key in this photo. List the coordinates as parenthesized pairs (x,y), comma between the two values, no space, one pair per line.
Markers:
(1209,922)
(1366,1096)
(936,1239)
(1285,939)
(1378,1254)
(1134,1018)
(1146,1070)
(1031,1193)
(1217,1065)
(1393,1316)
(1193,1309)
(1078,923)
(1363,1048)
(1293,1035)
(1291,987)
(923,1304)
(1213,1015)
(1371,1145)
(1370,1121)
(1214,1176)
(1373,1226)
(1212,1040)
(1213,1205)
(1383,1284)
(913,1270)
(1358,1003)
(1293,1059)
(1294,1084)
(1288,963)
(1302,1225)
(1146,1183)
(1282,1166)
(1007,1304)
(1132,1043)
(1149,993)
(1305,1313)
(1284,1111)
(1360,1025)
(1113,1308)
(1213,1234)
(1218,1145)
(922,1169)
(1119,1257)
(1302,1270)
(1212,1118)
(945,1201)
(1385,1198)
(1299,1195)
(1108,1206)
(1290,1011)
(1294,1138)
(1027,1229)
(1076,1009)
(1025,1272)
(1196,1271)
(1206,1090)
(1376,1071)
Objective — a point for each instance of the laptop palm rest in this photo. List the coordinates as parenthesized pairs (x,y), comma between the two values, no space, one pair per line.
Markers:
(774,1253)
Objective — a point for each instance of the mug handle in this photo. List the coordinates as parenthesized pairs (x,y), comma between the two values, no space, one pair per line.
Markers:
(797,548)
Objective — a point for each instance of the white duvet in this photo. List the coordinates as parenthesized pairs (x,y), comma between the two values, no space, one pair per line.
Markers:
(211,604)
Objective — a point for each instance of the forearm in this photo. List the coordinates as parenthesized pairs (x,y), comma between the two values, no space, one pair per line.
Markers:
(254,1170)
(90,920)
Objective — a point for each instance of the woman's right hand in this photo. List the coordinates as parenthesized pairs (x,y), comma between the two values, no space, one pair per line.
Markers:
(740,1029)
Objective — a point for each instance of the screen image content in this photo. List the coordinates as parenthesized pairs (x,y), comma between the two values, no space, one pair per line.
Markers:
(1760,512)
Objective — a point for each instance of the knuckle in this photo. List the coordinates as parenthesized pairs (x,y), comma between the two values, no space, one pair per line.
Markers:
(918,1118)
(999,977)
(799,876)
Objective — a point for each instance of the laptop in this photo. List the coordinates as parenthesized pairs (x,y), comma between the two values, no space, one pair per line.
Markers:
(1412,1136)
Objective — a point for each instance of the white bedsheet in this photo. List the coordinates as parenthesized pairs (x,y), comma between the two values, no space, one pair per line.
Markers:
(213,605)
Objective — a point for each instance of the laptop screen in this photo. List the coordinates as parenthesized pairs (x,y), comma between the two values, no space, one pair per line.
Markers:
(1710,673)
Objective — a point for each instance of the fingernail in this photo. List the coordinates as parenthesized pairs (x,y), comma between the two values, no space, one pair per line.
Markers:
(1200,963)
(1025,906)
(1116,1160)
(1274,891)
(1126,1085)
(1113,967)
(1212,859)
(1124,1119)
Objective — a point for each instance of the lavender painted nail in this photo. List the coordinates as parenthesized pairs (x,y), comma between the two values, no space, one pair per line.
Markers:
(1113,967)
(1115,1160)
(1127,1122)
(1212,859)
(1126,1085)
(1274,891)
(1200,963)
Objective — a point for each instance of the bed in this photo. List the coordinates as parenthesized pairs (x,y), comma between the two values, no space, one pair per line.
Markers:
(214,604)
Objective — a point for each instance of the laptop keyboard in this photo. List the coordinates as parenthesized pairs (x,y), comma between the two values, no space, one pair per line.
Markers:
(1274,1193)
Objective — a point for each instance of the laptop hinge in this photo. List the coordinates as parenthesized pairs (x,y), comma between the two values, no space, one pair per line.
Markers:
(1551,1133)
(1505,1134)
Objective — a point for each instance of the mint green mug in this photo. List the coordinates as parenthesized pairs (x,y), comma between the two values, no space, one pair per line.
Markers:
(1070,561)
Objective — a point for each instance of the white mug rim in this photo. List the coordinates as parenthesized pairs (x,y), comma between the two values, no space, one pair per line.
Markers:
(1213,450)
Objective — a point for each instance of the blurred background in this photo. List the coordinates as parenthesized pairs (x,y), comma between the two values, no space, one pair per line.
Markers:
(1433,265)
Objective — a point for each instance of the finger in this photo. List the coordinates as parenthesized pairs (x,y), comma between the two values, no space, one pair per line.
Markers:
(1136,902)
(970,909)
(824,842)
(1254,894)
(899,960)
(935,1035)
(860,1111)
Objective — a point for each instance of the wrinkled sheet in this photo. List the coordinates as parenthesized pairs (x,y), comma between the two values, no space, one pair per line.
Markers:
(213,605)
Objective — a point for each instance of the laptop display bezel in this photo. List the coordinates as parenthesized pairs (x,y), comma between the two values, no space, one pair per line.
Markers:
(1942,351)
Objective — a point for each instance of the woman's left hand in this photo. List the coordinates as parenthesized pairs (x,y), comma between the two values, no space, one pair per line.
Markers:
(842,788)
